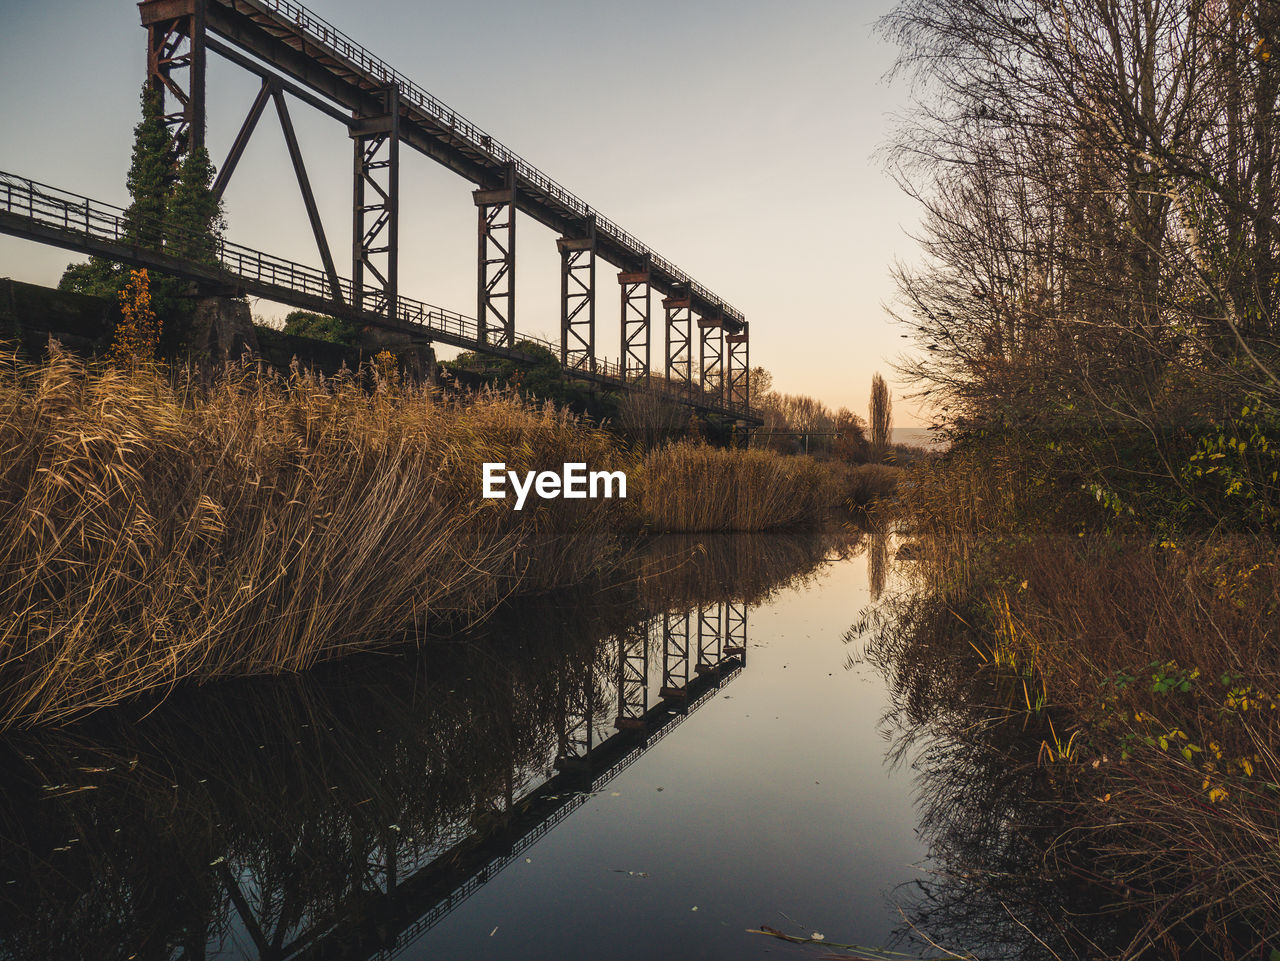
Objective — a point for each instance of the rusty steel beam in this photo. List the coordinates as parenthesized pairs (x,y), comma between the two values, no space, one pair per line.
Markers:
(50,215)
(636,324)
(242,139)
(314,53)
(711,356)
(304,184)
(679,310)
(228,52)
(317,63)
(375,205)
(176,56)
(578,302)
(496,267)
(739,347)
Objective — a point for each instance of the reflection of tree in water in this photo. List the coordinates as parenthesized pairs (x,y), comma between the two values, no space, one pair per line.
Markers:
(999,885)
(877,554)
(270,807)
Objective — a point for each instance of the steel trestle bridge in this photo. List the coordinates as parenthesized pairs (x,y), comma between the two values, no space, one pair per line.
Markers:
(300,57)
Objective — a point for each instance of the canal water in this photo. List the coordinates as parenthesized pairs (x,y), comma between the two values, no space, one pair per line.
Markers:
(645,772)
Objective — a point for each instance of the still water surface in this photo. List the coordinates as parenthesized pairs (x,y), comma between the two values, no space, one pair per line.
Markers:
(636,774)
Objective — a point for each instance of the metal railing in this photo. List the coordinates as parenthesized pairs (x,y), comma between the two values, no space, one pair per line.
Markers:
(322,33)
(75,215)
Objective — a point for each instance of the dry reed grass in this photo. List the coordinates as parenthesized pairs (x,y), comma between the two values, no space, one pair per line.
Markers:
(864,484)
(1165,661)
(156,529)
(1153,667)
(693,487)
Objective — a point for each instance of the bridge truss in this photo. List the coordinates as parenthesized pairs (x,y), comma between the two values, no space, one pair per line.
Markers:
(293,51)
(38,212)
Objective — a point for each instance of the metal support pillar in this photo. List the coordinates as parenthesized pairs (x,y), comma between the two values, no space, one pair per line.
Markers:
(739,368)
(578,301)
(633,677)
(176,67)
(635,324)
(375,208)
(675,656)
(735,630)
(679,311)
(711,352)
(496,269)
(710,621)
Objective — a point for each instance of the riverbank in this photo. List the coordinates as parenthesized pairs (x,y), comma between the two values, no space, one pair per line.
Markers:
(161,527)
(1128,680)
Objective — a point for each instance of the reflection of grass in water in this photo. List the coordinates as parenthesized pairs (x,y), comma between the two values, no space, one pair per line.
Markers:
(305,783)
(1004,865)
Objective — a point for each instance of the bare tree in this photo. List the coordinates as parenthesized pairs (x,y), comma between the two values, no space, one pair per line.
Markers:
(1099,186)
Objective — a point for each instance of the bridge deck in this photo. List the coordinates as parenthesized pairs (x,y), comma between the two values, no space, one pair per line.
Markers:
(49,215)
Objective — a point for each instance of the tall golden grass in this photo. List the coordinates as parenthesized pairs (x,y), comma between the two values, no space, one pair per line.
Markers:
(864,484)
(157,528)
(693,487)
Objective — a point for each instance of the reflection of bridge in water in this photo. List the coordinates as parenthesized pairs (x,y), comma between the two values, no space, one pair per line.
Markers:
(663,669)
(344,812)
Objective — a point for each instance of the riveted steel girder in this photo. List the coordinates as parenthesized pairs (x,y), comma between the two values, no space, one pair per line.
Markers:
(738,346)
(176,67)
(711,355)
(375,206)
(679,312)
(578,301)
(636,324)
(496,267)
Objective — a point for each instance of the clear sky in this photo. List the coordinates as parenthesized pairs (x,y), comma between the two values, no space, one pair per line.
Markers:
(735,137)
